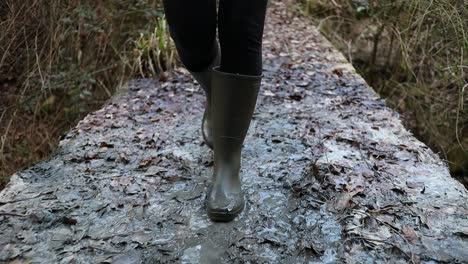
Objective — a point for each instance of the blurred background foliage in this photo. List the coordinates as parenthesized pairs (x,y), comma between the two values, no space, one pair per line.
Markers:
(61,59)
(414,53)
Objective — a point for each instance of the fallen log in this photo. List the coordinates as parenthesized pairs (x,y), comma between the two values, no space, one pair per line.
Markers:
(331,175)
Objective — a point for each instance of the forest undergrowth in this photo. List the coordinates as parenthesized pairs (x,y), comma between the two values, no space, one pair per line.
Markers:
(415,55)
(60,60)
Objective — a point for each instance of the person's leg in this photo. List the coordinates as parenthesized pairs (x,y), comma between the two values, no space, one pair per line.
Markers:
(192,25)
(240,26)
(235,88)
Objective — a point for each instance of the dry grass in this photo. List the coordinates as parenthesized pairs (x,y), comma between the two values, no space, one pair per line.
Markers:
(414,53)
(60,60)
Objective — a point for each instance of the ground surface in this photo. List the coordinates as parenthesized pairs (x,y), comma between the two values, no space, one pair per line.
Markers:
(330,174)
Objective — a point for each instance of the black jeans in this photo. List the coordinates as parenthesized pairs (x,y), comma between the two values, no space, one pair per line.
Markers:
(192,25)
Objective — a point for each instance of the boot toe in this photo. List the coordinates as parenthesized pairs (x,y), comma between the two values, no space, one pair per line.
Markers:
(223,206)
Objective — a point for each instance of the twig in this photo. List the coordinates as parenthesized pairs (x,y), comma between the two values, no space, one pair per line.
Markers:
(12,214)
(394,229)
(381,241)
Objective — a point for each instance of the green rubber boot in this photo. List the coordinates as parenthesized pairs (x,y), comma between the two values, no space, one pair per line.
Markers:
(233,102)
(204,79)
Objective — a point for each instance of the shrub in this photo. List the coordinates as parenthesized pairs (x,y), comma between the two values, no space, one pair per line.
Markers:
(60,59)
(414,53)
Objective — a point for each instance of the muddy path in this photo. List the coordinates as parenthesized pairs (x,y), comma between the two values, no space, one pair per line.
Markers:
(330,174)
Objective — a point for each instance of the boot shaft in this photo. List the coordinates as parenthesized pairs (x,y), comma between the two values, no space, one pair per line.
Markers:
(234,97)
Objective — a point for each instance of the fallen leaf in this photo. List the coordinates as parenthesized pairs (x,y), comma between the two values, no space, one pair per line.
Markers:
(342,201)
(106,145)
(410,235)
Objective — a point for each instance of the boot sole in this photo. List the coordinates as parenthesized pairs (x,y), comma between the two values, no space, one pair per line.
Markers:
(227,216)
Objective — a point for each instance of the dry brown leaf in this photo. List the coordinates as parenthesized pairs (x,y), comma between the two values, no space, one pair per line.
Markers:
(342,201)
(410,235)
